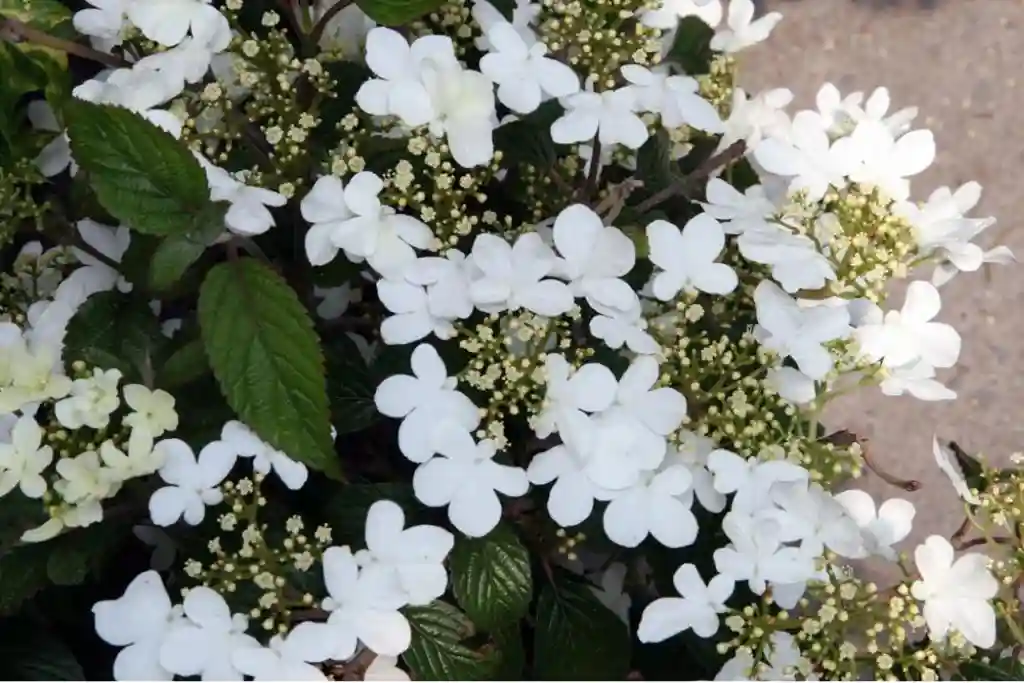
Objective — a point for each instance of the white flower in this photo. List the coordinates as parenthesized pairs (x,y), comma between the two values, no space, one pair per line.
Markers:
(56,155)
(806,156)
(750,480)
(464,102)
(875,158)
(653,507)
(687,257)
(790,330)
(916,379)
(795,260)
(619,448)
(668,13)
(91,402)
(153,410)
(287,658)
(956,594)
(945,458)
(743,30)
(364,606)
(192,482)
(660,410)
(203,645)
(416,555)
(248,214)
(488,16)
(738,211)
(189,61)
(629,328)
(752,118)
(697,609)
(23,460)
(167,21)
(415,315)
(908,335)
(569,392)
(881,528)
(674,98)
(571,499)
(525,76)
(515,276)
(104,22)
(805,512)
(84,478)
(947,270)
(941,225)
(352,218)
(94,275)
(139,621)
(791,384)
(426,402)
(65,517)
(244,443)
(140,89)
(140,460)
(692,453)
(447,281)
(595,258)
(398,90)
(756,555)
(468,480)
(610,115)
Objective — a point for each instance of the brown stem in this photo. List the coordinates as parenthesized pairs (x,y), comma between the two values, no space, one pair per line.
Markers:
(892,480)
(321,26)
(590,185)
(726,156)
(959,533)
(355,670)
(22,31)
(974,542)
(99,256)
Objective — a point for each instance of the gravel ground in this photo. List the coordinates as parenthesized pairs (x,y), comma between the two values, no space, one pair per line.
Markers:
(958,61)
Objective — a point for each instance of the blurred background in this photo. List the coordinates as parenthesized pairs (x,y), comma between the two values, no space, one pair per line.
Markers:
(959,61)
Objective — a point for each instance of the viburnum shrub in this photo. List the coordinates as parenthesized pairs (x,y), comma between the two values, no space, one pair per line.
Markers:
(467,341)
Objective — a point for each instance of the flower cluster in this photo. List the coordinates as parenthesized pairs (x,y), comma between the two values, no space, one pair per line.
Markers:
(603,295)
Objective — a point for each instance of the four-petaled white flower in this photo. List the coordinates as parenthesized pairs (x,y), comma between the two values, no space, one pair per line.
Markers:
(881,528)
(756,555)
(288,657)
(956,594)
(806,156)
(192,482)
(653,507)
(140,460)
(629,328)
(874,157)
(595,258)
(791,330)
(697,609)
(523,72)
(139,622)
(916,379)
(737,211)
(152,410)
(674,98)
(795,260)
(515,276)
(467,480)
(23,460)
(203,643)
(352,218)
(168,21)
(245,444)
(415,555)
(909,335)
(609,115)
(750,480)
(743,30)
(426,402)
(569,392)
(687,257)
(248,214)
(91,402)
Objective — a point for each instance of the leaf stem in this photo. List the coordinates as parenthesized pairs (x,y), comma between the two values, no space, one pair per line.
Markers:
(18,29)
(726,156)
(318,29)
(96,254)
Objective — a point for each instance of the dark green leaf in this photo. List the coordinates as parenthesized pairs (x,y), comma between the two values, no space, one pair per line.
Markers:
(22,575)
(114,330)
(397,12)
(185,365)
(140,173)
(577,638)
(351,386)
(509,641)
(691,47)
(18,514)
(171,259)
(30,653)
(78,553)
(491,577)
(267,359)
(528,140)
(438,653)
(1006,669)
(971,466)
(654,165)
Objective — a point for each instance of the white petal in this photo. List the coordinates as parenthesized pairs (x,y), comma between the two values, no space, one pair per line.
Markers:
(662,619)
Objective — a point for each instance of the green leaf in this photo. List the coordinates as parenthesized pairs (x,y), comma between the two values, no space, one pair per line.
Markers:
(1006,669)
(438,652)
(29,652)
(267,359)
(176,253)
(491,577)
(654,165)
(48,16)
(528,139)
(114,330)
(397,12)
(973,472)
(577,638)
(346,510)
(141,175)
(350,385)
(185,365)
(691,47)
(509,640)
(78,553)
(22,575)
